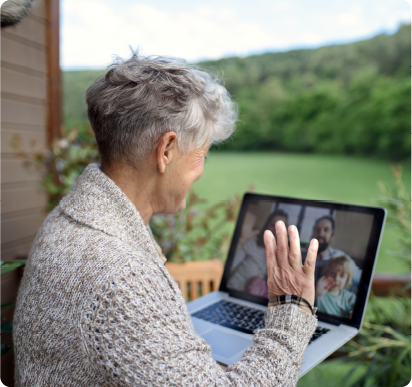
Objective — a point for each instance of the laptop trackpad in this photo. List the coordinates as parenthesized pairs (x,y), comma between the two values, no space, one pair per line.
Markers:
(225,344)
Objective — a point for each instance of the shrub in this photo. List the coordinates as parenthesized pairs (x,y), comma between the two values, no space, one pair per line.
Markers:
(59,166)
(195,234)
(7,325)
(384,343)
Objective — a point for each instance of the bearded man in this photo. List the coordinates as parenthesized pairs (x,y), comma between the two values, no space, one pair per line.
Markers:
(324,230)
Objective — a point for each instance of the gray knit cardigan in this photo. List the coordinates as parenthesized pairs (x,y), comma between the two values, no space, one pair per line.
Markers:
(97,307)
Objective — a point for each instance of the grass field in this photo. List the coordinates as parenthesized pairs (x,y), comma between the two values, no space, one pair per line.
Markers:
(323,177)
(336,178)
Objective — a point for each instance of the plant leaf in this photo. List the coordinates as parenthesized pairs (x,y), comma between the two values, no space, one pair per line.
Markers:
(5,348)
(407,287)
(11,265)
(7,326)
(6,305)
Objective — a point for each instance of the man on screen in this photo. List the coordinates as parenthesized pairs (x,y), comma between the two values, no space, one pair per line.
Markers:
(324,231)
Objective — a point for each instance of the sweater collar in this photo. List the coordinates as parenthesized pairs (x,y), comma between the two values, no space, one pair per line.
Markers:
(96,201)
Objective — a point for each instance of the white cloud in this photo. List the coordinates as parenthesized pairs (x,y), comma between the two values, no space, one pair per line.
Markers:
(93,30)
(310,38)
(206,33)
(280,5)
(349,19)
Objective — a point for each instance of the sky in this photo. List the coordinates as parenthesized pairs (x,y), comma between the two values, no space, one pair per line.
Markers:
(92,31)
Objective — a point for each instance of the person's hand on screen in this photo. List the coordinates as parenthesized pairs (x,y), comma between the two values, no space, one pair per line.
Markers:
(286,275)
(323,285)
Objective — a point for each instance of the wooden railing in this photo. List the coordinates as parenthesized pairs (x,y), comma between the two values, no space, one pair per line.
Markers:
(202,277)
(387,284)
(196,278)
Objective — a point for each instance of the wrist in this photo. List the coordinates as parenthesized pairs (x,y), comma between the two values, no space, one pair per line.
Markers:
(301,302)
(306,308)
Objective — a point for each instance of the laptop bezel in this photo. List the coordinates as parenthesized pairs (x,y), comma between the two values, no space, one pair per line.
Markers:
(375,237)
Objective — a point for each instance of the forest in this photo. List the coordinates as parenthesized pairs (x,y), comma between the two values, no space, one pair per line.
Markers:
(340,99)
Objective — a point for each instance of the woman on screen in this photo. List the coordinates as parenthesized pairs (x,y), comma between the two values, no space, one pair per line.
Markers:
(249,273)
(332,294)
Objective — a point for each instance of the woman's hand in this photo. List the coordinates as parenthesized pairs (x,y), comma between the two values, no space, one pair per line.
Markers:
(323,285)
(286,275)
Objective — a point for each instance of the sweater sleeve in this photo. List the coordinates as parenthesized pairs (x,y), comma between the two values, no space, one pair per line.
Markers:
(135,331)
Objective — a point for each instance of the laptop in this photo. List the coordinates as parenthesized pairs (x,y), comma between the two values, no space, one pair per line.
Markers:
(349,237)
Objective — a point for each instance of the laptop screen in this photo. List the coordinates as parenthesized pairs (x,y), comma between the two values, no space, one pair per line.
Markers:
(348,238)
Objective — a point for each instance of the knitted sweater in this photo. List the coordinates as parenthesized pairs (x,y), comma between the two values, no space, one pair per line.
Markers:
(97,307)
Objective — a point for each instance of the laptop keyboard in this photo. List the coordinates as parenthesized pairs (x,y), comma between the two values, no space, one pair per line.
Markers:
(241,318)
(319,331)
(235,316)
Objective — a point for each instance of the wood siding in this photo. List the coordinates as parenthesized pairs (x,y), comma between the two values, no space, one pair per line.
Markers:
(25,78)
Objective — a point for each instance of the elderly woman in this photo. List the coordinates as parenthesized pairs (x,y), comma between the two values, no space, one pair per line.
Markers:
(97,306)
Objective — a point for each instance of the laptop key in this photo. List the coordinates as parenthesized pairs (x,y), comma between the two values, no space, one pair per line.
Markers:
(319,331)
(237,328)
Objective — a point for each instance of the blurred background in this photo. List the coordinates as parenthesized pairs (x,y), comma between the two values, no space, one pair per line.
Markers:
(324,93)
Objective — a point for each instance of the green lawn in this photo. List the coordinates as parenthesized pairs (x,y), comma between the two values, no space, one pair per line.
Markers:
(338,178)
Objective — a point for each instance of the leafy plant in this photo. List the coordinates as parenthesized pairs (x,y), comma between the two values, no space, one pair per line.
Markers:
(384,343)
(195,234)
(7,326)
(398,203)
(59,166)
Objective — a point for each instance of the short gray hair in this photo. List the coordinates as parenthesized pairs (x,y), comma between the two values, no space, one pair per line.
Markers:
(140,99)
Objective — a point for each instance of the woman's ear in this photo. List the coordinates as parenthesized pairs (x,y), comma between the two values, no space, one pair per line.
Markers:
(166,149)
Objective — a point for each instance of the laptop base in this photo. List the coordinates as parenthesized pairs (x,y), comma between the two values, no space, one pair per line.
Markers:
(228,345)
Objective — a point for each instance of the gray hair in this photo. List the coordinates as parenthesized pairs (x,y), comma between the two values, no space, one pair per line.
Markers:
(13,12)
(140,99)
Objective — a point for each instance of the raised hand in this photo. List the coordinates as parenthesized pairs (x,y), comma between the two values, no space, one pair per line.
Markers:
(286,275)
(323,285)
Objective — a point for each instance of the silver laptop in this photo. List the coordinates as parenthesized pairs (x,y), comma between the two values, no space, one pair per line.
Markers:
(349,237)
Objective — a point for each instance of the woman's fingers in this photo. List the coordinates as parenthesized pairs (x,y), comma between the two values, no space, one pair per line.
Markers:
(282,249)
(270,245)
(310,261)
(295,255)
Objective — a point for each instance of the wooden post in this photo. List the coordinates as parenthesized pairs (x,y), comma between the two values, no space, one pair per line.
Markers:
(53,70)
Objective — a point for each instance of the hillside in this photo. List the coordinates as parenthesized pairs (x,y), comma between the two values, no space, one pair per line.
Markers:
(351,99)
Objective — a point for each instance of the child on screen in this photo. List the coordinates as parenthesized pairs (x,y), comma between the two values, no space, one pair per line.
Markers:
(332,294)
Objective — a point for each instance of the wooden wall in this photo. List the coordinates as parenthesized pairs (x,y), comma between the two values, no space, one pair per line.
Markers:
(24,112)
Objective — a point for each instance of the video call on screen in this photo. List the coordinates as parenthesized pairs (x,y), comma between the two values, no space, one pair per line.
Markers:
(343,240)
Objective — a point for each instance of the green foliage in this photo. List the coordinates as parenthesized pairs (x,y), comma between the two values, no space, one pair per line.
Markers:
(7,326)
(194,234)
(385,348)
(4,306)
(58,169)
(5,348)
(348,99)
(384,344)
(10,266)
(59,166)
(398,204)
(75,84)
